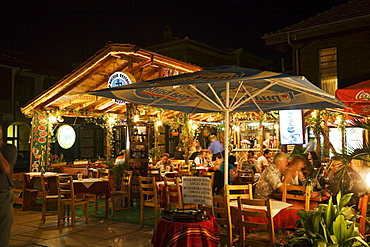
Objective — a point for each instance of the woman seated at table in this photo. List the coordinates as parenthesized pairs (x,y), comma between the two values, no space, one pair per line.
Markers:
(164,163)
(231,167)
(294,174)
(352,182)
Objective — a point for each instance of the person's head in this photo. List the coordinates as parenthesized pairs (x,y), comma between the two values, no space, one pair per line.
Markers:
(212,138)
(198,148)
(271,138)
(267,153)
(250,154)
(232,159)
(298,162)
(281,161)
(203,154)
(178,148)
(165,157)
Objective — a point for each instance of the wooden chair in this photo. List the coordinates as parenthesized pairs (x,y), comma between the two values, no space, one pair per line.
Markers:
(245,177)
(94,197)
(211,175)
(184,173)
(156,173)
(220,209)
(67,198)
(49,195)
(24,192)
(362,207)
(173,193)
(263,234)
(149,198)
(234,191)
(123,194)
(304,190)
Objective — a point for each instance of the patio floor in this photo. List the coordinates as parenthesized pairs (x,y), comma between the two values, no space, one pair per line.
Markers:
(28,230)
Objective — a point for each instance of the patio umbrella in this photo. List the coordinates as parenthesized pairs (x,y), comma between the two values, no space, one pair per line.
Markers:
(356,96)
(225,89)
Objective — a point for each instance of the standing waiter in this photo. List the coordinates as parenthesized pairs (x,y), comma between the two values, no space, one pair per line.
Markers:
(215,147)
(8,157)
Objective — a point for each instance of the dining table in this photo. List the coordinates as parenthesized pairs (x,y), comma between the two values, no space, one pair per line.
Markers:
(94,185)
(171,233)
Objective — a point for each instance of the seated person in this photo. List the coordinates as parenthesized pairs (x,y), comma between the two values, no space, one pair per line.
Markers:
(231,168)
(352,182)
(164,162)
(195,154)
(201,159)
(262,161)
(179,154)
(295,173)
(271,180)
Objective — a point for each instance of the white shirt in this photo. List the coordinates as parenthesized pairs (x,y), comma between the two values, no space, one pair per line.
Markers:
(261,162)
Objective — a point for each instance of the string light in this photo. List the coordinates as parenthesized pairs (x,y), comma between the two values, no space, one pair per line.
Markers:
(136,118)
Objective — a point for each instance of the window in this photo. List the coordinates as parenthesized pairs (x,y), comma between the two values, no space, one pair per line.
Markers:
(328,70)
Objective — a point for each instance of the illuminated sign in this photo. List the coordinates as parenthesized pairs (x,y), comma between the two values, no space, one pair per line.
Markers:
(118,79)
(66,136)
(291,127)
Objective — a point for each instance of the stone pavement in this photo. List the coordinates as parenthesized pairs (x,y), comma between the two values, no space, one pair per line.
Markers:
(28,230)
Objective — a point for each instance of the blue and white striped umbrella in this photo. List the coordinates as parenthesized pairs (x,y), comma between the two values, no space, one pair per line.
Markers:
(225,89)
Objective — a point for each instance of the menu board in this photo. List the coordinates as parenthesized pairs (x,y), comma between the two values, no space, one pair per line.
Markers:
(291,127)
(40,131)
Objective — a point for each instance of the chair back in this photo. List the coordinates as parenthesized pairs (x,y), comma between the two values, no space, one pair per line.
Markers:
(184,173)
(148,188)
(65,187)
(247,221)
(362,207)
(185,167)
(245,177)
(220,210)
(173,193)
(234,191)
(126,181)
(49,185)
(103,173)
(156,173)
(305,194)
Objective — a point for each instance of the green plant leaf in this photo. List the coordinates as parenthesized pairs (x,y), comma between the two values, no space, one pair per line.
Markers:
(320,243)
(344,200)
(328,214)
(340,228)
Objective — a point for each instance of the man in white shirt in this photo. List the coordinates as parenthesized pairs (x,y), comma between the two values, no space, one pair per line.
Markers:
(201,159)
(262,161)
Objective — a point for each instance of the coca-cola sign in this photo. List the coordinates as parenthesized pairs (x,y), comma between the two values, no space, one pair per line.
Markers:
(362,95)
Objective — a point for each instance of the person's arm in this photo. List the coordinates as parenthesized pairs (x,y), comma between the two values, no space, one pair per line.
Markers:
(5,165)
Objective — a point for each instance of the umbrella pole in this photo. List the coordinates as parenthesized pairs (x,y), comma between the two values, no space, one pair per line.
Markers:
(226,140)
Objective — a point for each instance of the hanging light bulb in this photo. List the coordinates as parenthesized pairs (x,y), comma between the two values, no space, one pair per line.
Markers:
(111,120)
(136,118)
(158,123)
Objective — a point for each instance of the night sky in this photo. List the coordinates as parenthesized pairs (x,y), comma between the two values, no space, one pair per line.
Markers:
(72,31)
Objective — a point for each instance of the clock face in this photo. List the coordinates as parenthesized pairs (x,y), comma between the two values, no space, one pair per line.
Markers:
(120,79)
(66,136)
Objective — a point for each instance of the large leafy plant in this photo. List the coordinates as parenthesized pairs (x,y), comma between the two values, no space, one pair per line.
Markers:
(328,225)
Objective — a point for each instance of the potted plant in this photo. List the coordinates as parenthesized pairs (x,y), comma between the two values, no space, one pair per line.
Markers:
(328,225)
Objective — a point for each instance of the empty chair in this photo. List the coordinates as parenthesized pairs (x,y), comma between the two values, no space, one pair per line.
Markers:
(173,193)
(184,173)
(234,191)
(124,194)
(245,177)
(156,173)
(297,192)
(221,212)
(49,195)
(94,197)
(149,198)
(262,234)
(67,199)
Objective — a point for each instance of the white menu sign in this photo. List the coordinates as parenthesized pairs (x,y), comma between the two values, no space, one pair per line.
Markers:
(197,190)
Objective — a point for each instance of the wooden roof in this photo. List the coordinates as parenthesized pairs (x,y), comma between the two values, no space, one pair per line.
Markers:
(94,74)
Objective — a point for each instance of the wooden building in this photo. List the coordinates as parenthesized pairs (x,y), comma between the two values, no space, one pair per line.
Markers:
(102,127)
(331,49)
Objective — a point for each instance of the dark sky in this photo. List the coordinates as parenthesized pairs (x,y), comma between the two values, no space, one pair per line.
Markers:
(72,31)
